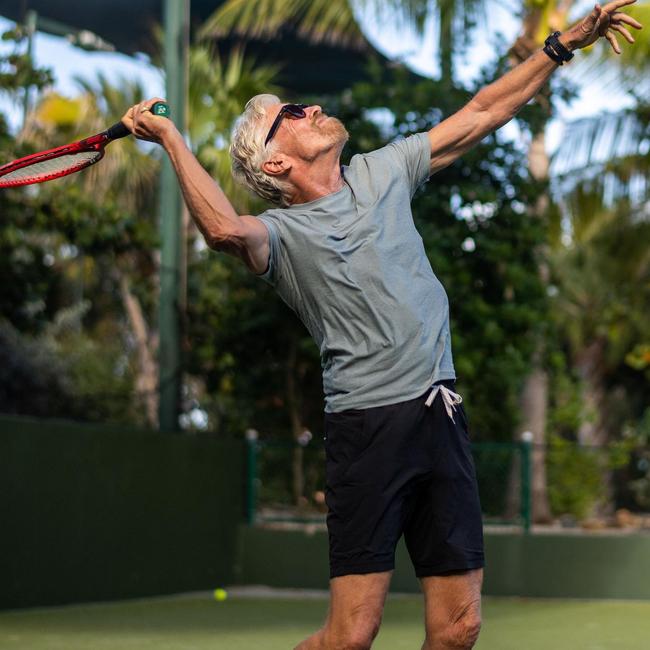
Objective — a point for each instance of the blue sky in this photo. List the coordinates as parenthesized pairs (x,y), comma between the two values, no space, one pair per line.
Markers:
(68,61)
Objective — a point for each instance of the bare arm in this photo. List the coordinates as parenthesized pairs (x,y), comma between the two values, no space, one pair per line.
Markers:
(499,102)
(244,236)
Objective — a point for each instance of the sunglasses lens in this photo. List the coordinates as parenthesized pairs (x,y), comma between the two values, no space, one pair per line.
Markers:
(295,110)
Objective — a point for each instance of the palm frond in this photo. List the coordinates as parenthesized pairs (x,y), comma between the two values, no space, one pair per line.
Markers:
(320,21)
(631,68)
(595,141)
(101,103)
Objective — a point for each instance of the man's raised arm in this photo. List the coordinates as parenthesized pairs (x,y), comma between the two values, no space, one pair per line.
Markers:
(499,102)
(223,229)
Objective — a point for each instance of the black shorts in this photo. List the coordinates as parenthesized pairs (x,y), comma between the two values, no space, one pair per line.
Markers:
(407,469)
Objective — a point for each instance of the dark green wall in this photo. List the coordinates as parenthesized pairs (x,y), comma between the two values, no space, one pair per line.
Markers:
(97,512)
(560,566)
(100,512)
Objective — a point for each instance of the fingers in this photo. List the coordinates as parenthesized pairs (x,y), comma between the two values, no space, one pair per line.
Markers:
(624,18)
(621,30)
(127,119)
(143,124)
(612,41)
(613,6)
(603,23)
(589,23)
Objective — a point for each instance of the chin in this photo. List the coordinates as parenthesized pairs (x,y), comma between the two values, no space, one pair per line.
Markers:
(335,131)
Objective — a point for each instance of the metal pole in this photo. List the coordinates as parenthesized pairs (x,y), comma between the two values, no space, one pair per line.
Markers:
(526,447)
(252,448)
(30,28)
(176,23)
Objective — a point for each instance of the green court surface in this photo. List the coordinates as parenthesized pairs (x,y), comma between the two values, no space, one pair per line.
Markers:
(245,623)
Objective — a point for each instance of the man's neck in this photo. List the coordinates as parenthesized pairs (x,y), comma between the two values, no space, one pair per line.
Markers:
(316,179)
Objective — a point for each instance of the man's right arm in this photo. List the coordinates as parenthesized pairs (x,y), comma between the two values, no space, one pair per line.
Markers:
(224,230)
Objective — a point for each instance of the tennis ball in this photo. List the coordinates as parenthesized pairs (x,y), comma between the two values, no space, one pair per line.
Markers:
(220,594)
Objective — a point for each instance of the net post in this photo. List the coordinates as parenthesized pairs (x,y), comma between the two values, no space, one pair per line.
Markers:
(526,452)
(251,475)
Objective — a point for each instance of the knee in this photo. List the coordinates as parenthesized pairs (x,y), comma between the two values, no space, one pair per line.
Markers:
(461,634)
(357,636)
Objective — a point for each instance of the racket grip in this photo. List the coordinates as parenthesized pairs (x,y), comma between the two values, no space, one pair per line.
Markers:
(118,130)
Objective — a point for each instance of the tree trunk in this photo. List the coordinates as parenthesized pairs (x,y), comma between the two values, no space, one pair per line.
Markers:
(534,400)
(446,42)
(146,383)
(593,430)
(534,395)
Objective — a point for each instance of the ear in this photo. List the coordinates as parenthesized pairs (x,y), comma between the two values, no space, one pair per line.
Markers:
(277,165)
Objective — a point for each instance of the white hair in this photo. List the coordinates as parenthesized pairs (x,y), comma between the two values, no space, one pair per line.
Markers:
(248,152)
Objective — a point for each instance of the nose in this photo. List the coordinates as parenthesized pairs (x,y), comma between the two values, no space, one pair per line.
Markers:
(313,110)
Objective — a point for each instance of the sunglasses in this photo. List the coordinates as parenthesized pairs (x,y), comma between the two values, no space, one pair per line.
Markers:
(297,111)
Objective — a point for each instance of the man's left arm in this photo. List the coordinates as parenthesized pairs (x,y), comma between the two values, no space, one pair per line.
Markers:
(499,102)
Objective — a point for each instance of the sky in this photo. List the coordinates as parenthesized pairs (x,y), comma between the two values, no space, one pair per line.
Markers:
(68,61)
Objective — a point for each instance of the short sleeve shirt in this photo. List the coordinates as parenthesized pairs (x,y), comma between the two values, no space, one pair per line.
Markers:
(353,267)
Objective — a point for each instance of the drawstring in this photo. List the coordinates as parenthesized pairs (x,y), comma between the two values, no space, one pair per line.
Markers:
(449,398)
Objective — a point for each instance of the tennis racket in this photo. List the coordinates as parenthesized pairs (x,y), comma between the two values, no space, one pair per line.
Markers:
(70,158)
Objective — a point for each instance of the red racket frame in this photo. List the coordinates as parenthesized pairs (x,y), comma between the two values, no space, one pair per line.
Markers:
(93,143)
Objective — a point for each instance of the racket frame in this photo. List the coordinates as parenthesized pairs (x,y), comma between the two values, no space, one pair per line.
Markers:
(93,143)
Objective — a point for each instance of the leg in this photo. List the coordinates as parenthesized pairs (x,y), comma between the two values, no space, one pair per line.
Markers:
(452,606)
(356,606)
(444,536)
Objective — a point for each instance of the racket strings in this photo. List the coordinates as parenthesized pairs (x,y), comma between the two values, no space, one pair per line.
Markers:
(47,168)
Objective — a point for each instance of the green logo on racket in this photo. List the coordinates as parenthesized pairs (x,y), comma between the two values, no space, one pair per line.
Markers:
(160,108)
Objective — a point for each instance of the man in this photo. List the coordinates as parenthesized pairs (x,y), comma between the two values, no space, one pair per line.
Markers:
(341,249)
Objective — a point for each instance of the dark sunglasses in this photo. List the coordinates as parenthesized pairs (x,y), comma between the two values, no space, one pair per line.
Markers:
(296,111)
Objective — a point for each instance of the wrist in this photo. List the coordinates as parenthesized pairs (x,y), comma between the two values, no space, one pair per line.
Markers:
(170,136)
(566,38)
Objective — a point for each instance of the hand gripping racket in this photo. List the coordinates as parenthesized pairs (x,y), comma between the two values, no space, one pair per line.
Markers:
(70,158)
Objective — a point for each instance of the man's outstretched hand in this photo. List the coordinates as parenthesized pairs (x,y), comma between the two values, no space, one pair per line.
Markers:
(602,21)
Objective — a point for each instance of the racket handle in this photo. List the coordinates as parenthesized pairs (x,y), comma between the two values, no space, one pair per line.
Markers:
(118,130)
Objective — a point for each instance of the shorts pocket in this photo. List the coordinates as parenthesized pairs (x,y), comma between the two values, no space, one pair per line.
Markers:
(345,438)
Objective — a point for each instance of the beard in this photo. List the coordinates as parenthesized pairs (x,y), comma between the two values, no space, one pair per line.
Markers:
(332,128)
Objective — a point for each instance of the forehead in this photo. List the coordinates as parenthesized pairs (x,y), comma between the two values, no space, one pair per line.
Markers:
(272,111)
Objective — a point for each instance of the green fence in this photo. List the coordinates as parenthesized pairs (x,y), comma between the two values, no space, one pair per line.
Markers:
(286,482)
(97,512)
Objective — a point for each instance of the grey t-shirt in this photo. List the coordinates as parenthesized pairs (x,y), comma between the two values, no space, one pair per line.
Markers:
(353,267)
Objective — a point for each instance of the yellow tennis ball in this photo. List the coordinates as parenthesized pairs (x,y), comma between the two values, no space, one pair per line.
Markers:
(220,594)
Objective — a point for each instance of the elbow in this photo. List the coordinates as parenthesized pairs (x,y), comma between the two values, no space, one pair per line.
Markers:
(223,241)
(493,116)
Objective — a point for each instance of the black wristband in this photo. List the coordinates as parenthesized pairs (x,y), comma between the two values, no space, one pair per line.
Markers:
(555,50)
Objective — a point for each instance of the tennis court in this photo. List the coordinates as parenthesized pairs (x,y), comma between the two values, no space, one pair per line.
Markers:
(197,622)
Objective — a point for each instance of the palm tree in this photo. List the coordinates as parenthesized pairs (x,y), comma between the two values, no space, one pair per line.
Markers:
(335,21)
(218,91)
(539,19)
(127,177)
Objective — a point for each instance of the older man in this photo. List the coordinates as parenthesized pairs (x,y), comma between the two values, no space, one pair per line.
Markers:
(342,250)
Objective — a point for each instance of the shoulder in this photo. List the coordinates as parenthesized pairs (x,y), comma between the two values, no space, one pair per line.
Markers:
(405,159)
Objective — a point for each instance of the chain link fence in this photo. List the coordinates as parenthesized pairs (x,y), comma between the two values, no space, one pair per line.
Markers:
(286,482)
